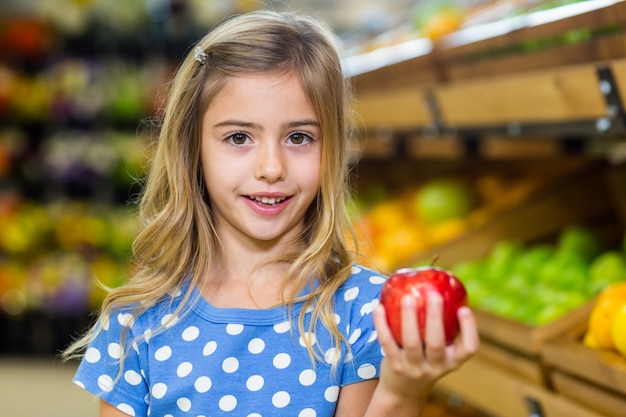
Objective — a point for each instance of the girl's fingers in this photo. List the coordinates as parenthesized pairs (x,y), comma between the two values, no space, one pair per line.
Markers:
(435,333)
(385,338)
(470,341)
(410,331)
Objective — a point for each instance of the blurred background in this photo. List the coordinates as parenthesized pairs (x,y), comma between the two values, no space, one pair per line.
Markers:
(493,141)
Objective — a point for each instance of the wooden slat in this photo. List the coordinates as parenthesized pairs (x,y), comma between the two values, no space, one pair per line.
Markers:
(523,338)
(502,393)
(602,49)
(602,367)
(398,109)
(593,397)
(547,96)
(530,369)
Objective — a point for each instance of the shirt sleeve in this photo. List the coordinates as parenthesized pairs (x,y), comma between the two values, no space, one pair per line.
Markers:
(361,297)
(102,371)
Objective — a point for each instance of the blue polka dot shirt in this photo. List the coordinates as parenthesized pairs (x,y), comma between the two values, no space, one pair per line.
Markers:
(232,362)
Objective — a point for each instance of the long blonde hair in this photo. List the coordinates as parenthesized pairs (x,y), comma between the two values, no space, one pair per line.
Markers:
(177,242)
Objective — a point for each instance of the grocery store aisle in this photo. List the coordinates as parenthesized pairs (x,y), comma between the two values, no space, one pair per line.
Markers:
(33,387)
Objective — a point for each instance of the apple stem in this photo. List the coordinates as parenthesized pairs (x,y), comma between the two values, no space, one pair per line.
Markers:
(435,259)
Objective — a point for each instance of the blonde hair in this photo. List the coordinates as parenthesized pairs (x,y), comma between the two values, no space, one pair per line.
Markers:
(178,240)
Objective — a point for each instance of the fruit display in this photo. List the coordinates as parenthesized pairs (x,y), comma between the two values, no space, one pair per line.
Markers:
(393,229)
(417,283)
(538,283)
(53,256)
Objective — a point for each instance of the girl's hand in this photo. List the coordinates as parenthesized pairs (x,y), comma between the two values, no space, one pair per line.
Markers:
(408,373)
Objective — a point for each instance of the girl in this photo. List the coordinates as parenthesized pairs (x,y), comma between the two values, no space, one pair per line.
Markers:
(247,300)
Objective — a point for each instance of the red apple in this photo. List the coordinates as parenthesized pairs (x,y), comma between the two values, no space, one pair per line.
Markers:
(418,282)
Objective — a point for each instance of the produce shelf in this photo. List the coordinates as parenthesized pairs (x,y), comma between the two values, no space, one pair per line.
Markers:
(555,73)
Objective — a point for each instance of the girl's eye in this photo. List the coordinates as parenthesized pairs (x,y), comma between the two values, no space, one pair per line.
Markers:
(300,138)
(237,138)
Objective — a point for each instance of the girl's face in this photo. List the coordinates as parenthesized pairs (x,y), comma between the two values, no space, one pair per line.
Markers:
(261,155)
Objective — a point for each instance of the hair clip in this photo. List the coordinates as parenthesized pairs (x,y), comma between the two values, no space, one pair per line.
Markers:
(200,55)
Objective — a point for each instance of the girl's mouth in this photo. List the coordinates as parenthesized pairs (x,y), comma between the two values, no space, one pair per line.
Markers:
(268,201)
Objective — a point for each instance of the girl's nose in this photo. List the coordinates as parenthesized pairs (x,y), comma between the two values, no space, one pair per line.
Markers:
(270,162)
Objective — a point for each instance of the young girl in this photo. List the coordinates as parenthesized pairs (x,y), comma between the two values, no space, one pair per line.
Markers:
(247,300)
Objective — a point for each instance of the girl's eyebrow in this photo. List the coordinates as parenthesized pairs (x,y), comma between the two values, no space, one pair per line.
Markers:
(290,125)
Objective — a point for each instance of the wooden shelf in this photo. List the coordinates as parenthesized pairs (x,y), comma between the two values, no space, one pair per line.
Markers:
(467,86)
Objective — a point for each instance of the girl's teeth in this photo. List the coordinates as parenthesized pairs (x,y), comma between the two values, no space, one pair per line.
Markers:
(269,200)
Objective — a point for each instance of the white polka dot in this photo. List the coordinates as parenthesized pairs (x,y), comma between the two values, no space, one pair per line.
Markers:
(282,360)
(331,394)
(209,348)
(366,371)
(283,327)
(255,382)
(80,384)
(191,333)
(230,365)
(169,320)
(281,399)
(373,336)
(132,377)
(307,377)
(147,335)
(105,383)
(355,269)
(307,412)
(367,308)
(158,390)
(184,369)
(377,280)
(254,415)
(256,345)
(309,336)
(114,350)
(184,404)
(92,355)
(354,336)
(332,355)
(203,384)
(228,403)
(163,353)
(351,294)
(135,347)
(234,329)
(337,318)
(125,319)
(126,408)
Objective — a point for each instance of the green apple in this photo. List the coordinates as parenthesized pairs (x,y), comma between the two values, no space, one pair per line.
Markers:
(607,268)
(443,199)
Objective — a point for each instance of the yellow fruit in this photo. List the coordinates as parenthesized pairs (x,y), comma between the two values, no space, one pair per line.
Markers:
(599,325)
(442,23)
(618,330)
(590,341)
(615,290)
(446,230)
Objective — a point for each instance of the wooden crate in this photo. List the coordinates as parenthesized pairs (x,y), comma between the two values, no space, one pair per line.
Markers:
(524,339)
(595,378)
(500,392)
(580,197)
